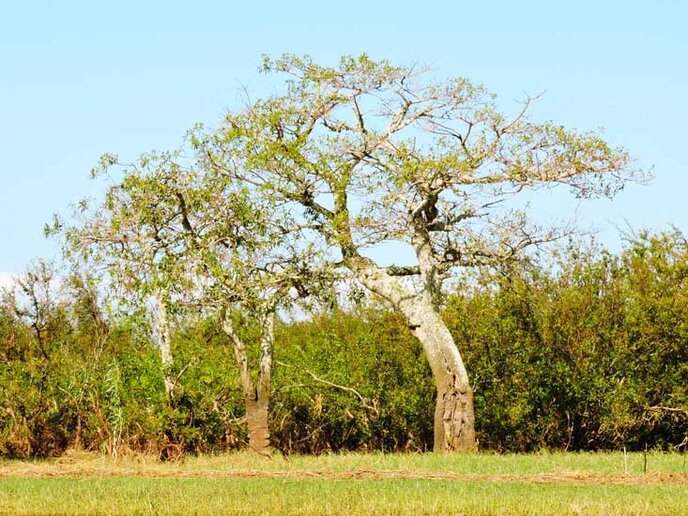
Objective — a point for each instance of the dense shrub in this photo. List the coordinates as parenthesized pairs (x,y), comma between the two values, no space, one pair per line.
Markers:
(588,351)
(351,381)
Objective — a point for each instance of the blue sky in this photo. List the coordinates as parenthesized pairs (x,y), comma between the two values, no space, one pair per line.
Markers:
(81,78)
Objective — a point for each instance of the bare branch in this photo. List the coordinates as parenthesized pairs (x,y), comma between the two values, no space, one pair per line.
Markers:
(360,397)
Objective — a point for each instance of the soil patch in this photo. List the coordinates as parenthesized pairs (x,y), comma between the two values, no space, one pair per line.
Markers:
(68,469)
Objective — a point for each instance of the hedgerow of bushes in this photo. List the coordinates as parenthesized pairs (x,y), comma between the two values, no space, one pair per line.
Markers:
(587,351)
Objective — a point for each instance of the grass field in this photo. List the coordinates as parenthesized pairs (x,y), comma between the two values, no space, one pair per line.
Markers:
(544,483)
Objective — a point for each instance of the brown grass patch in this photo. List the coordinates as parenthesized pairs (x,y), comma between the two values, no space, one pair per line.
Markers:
(81,467)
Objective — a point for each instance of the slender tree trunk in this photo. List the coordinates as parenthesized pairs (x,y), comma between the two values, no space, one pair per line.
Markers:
(257,397)
(261,434)
(77,438)
(163,325)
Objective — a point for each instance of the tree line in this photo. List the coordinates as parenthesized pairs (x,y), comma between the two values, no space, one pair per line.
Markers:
(586,351)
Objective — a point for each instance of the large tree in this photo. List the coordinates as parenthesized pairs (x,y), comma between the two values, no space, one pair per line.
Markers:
(368,153)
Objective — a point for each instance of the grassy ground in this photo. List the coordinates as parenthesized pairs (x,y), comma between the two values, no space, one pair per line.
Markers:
(547,483)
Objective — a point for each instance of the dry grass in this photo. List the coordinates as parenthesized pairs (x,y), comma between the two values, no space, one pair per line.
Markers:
(545,483)
(543,468)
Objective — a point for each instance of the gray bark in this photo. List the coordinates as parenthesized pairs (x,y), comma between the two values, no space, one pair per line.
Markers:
(454,421)
(257,396)
(163,327)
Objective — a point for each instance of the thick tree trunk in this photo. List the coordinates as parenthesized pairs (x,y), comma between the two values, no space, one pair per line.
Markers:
(257,425)
(454,423)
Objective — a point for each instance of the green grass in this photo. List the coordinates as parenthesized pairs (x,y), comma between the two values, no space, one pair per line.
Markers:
(484,484)
(273,496)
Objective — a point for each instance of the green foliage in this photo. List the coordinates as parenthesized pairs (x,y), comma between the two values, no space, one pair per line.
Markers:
(351,381)
(586,352)
(343,381)
(588,355)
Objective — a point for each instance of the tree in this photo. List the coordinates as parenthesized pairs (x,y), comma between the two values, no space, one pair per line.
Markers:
(130,236)
(170,231)
(37,288)
(368,153)
(248,265)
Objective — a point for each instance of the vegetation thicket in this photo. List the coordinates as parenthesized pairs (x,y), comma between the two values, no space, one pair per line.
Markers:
(587,351)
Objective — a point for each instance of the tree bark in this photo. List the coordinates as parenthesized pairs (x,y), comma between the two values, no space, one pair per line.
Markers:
(165,342)
(257,423)
(258,430)
(454,421)
(257,397)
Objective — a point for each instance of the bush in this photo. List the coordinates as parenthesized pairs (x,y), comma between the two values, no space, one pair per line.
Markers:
(588,352)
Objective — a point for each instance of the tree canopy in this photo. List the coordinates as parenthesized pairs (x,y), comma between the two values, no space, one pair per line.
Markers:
(368,153)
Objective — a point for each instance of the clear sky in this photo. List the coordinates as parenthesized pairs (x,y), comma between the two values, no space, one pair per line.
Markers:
(79,78)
